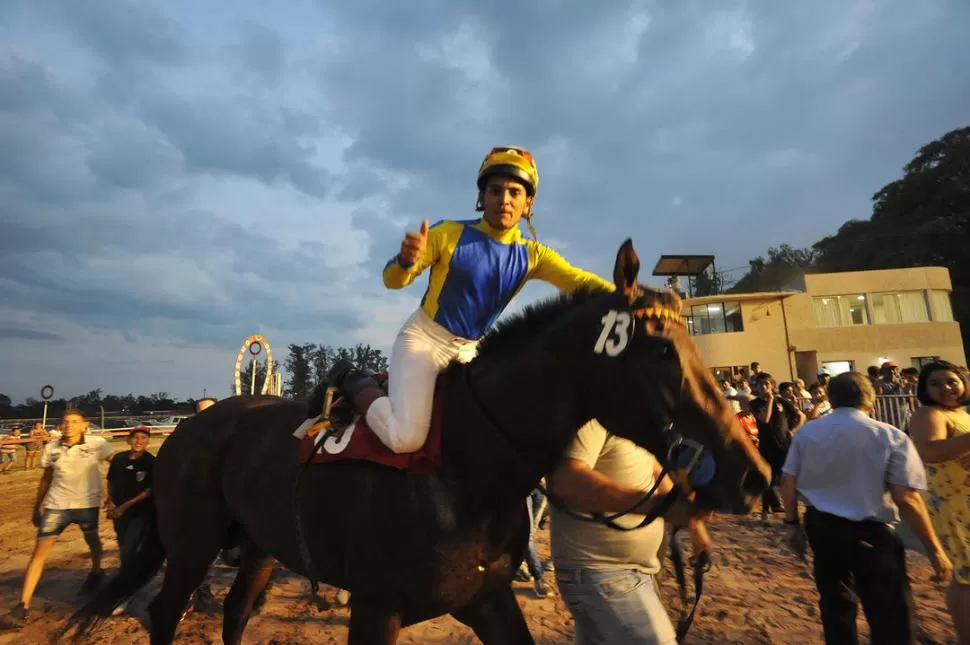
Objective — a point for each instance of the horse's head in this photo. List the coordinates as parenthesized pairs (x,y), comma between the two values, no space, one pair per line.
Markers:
(655,389)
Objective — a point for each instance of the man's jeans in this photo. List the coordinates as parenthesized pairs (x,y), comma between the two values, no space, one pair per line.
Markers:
(536,503)
(615,606)
(129,529)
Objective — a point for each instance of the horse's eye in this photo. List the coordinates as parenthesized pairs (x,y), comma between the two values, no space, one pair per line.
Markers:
(661,350)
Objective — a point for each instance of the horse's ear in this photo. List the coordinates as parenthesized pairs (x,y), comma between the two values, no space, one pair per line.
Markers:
(626,270)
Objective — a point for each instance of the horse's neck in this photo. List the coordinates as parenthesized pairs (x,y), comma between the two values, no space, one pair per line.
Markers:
(531,411)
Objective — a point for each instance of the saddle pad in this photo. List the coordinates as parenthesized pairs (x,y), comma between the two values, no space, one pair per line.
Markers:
(358,442)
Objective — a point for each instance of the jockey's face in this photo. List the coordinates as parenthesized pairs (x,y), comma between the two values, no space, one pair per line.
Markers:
(506,201)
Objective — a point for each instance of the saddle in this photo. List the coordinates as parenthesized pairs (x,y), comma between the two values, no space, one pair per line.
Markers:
(336,435)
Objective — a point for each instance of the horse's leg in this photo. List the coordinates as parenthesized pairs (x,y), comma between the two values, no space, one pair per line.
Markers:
(182,577)
(254,572)
(192,542)
(497,619)
(372,626)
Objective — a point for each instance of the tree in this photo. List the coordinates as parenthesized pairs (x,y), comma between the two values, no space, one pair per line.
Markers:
(921,219)
(784,264)
(323,358)
(299,369)
(246,375)
(708,283)
(89,403)
(362,355)
(368,358)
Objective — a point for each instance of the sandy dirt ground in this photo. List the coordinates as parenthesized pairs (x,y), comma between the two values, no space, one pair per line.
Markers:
(756,592)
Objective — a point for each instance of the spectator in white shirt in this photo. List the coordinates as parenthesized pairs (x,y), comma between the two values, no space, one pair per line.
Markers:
(70,492)
(842,465)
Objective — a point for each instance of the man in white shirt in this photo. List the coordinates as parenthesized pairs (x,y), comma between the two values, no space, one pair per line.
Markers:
(70,492)
(842,465)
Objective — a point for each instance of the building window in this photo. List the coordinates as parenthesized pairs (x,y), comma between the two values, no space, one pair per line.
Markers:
(841,311)
(940,304)
(920,361)
(899,307)
(834,368)
(732,316)
(714,318)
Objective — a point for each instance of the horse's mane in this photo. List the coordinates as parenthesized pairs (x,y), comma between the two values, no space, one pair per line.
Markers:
(511,335)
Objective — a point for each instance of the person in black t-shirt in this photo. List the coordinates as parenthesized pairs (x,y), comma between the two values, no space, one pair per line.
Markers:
(129,490)
(777,420)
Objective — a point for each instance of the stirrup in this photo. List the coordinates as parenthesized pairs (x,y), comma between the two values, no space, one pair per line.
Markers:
(324,423)
(327,403)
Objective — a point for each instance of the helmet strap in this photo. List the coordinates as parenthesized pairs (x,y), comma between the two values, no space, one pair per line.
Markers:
(528,222)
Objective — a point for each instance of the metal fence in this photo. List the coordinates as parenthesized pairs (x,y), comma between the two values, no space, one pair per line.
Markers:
(895,409)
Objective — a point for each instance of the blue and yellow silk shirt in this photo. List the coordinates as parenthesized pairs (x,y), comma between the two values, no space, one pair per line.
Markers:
(476,270)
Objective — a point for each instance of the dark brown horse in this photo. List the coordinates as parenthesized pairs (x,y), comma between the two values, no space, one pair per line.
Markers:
(410,548)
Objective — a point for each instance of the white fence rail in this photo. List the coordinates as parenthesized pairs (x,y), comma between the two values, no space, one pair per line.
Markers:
(895,409)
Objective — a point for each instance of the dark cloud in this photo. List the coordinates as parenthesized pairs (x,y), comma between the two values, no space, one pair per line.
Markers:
(227,137)
(742,114)
(173,176)
(120,31)
(261,50)
(14,333)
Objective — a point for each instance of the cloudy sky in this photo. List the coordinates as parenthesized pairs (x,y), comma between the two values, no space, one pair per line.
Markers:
(175,176)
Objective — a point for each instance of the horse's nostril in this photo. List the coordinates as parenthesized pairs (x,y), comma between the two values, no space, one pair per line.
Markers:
(754,483)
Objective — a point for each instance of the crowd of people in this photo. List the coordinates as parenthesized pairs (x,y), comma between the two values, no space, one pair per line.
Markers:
(32,443)
(827,451)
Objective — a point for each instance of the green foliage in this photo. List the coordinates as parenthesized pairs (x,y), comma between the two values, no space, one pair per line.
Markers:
(246,377)
(783,265)
(307,364)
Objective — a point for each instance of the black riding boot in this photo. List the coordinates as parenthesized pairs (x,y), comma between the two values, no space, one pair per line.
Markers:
(359,386)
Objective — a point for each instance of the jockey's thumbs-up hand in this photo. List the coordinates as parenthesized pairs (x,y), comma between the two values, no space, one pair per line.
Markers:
(414,244)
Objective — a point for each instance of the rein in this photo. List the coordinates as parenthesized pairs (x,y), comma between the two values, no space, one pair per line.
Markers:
(681,477)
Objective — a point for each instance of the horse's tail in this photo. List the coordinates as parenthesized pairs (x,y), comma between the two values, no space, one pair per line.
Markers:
(134,574)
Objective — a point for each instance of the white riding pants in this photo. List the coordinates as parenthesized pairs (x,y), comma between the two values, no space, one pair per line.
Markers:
(422,349)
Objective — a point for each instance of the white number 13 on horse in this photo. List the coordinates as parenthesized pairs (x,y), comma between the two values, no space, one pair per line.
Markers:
(616,333)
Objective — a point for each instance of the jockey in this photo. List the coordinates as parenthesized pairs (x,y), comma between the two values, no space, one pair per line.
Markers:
(477,267)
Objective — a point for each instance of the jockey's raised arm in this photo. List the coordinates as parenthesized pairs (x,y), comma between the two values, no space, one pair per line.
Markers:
(552,268)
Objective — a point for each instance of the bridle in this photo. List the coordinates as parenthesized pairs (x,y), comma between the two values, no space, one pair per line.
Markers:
(688,465)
